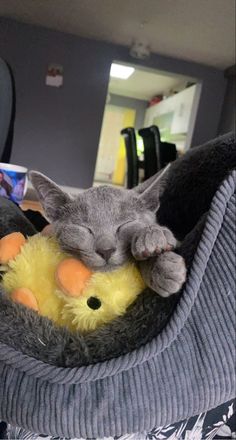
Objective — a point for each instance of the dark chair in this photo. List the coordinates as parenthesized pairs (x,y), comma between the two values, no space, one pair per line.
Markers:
(151,142)
(132,157)
(157,154)
(168,153)
(7,111)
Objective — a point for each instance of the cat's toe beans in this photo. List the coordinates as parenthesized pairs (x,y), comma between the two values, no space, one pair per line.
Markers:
(169,273)
(139,248)
(163,286)
(166,287)
(151,242)
(162,238)
(171,241)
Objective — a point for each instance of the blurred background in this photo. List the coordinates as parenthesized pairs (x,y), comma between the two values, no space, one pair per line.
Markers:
(106,91)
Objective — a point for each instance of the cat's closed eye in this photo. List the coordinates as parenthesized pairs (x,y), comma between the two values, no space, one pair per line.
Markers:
(73,230)
(76,237)
(87,228)
(125,225)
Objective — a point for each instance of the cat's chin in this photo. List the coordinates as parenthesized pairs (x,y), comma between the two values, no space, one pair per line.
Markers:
(109,266)
(101,265)
(106,267)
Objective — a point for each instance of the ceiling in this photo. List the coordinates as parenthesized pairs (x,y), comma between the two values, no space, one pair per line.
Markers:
(144,84)
(196,30)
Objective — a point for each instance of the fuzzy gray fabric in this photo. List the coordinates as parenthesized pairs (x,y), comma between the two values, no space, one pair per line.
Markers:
(187,369)
(39,338)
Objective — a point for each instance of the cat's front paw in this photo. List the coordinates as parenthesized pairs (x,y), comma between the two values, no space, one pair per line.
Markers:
(168,274)
(152,241)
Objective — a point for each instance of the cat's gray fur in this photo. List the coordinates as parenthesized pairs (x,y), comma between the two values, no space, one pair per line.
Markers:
(105,227)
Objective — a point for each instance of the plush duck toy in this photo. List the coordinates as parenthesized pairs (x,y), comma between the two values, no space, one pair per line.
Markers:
(40,276)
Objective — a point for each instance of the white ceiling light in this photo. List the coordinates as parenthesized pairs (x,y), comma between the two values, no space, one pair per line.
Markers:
(120,71)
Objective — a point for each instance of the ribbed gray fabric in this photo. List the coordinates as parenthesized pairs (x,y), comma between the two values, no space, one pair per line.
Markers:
(187,369)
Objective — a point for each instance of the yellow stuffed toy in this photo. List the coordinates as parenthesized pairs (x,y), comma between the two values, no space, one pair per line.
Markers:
(39,275)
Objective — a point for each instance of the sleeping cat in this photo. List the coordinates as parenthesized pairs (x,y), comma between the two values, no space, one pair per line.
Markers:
(106,226)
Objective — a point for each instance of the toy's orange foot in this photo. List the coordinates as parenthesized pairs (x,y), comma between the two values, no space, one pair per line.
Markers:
(10,246)
(71,276)
(26,297)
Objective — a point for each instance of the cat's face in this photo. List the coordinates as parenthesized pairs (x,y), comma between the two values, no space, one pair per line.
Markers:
(99,224)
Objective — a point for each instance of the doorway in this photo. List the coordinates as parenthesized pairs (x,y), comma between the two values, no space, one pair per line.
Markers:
(139,97)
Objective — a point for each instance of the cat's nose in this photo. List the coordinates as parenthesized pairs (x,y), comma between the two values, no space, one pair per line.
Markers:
(106,253)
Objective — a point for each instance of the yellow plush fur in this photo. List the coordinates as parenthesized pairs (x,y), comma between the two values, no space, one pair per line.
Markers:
(116,290)
(35,267)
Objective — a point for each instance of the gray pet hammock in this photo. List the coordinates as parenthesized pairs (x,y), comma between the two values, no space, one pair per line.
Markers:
(187,369)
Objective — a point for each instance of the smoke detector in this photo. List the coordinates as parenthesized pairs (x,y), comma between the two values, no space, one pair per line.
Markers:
(140,49)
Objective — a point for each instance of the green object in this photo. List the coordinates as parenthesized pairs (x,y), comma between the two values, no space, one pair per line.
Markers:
(140,146)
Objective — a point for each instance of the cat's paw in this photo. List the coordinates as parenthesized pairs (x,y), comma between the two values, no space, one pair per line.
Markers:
(168,274)
(152,241)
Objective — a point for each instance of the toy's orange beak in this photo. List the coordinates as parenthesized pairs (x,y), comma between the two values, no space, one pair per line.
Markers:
(71,276)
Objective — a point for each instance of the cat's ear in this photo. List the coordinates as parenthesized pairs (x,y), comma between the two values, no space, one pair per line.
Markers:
(151,190)
(53,199)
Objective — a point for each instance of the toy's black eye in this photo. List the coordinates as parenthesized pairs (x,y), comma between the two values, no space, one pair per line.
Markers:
(94,303)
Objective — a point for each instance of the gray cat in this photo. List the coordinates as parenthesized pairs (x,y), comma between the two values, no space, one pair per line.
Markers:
(106,226)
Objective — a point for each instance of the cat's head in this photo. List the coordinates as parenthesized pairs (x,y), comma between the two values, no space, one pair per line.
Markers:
(97,226)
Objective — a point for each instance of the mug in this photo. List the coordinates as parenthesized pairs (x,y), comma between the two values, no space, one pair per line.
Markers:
(13,182)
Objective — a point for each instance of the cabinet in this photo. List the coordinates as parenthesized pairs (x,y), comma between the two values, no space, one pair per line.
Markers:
(178,107)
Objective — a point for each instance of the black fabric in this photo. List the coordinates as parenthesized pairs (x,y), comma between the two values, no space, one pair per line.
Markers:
(36,218)
(6,155)
(12,219)
(192,182)
(3,430)
(168,153)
